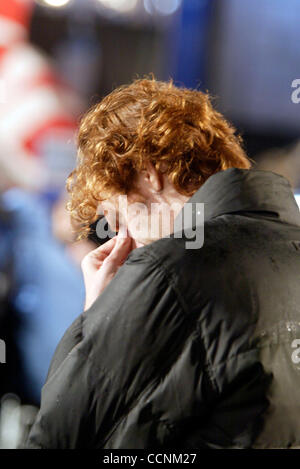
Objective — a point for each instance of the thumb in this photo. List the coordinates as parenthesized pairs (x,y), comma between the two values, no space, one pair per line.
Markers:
(120,251)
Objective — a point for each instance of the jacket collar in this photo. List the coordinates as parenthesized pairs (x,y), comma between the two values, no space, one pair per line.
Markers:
(241,190)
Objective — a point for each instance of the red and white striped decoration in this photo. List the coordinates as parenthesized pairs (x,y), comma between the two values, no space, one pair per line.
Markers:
(36,111)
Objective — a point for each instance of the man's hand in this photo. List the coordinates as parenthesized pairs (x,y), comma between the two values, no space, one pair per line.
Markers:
(100,266)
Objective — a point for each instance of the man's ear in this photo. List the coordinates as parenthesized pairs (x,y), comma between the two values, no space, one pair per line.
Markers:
(153,177)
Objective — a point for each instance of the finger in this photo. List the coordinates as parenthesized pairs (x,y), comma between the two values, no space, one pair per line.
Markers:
(121,250)
(96,257)
(105,249)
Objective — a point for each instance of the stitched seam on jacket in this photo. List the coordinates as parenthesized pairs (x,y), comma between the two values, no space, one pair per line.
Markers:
(232,357)
(130,408)
(170,279)
(106,372)
(184,307)
(207,364)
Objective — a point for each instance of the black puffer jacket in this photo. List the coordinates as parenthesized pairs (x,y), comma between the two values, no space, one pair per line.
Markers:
(190,348)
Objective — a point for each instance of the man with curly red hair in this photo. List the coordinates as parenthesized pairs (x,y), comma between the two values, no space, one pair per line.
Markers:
(179,345)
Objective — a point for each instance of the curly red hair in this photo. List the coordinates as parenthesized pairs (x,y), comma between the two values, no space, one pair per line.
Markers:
(176,129)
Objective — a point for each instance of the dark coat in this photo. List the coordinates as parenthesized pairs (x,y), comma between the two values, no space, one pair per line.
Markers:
(190,348)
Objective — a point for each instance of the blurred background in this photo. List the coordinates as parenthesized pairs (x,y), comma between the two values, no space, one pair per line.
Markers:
(57,58)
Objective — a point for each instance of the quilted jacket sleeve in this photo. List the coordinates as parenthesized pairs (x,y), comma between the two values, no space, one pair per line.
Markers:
(102,385)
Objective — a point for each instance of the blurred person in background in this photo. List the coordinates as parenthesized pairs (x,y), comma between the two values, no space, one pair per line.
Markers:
(41,293)
(37,126)
(46,289)
(38,113)
(178,346)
